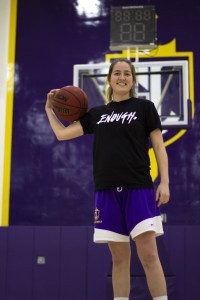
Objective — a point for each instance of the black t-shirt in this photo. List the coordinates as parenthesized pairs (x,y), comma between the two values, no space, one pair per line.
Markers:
(121,142)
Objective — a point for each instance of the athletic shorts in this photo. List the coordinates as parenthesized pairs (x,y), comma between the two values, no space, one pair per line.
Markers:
(121,213)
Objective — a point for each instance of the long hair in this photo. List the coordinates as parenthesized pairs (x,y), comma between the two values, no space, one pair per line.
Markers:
(110,90)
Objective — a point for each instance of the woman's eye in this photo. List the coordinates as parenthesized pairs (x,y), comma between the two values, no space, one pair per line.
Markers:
(118,74)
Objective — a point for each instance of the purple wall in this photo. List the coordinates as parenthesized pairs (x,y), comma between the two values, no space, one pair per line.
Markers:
(51,182)
(76,268)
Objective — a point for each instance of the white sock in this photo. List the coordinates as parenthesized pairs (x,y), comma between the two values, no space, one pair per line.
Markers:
(121,298)
(161,298)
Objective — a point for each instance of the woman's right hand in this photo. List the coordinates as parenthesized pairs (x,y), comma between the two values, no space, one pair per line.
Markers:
(50,97)
(62,133)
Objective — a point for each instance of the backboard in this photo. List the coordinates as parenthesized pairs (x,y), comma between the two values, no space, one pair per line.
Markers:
(165,83)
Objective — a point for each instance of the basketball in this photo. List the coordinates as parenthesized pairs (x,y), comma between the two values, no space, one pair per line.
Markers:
(70,103)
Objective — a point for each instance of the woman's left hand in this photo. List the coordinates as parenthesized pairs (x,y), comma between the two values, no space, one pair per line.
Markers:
(162,194)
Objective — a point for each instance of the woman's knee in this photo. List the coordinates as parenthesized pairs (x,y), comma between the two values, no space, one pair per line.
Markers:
(120,252)
(147,250)
(149,260)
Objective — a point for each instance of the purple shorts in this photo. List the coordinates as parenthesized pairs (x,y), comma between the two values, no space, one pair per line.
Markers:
(124,212)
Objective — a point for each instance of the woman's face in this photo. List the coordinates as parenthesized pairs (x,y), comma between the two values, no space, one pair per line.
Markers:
(121,80)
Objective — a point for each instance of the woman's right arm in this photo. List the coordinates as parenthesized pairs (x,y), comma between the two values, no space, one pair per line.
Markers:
(62,133)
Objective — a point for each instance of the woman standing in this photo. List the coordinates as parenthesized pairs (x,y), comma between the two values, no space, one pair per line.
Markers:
(126,205)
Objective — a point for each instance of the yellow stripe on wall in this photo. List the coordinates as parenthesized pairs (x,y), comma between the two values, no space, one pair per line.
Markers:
(9,113)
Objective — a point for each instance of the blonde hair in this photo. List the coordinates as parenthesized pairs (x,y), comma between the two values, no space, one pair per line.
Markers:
(110,90)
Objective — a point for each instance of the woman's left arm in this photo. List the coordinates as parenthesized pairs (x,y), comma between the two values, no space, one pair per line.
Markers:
(162,193)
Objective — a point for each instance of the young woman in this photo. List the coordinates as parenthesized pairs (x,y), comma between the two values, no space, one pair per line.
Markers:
(126,205)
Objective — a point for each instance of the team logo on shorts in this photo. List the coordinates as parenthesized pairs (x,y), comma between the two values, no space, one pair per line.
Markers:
(97,216)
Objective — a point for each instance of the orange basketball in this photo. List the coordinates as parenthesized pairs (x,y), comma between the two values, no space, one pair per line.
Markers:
(70,103)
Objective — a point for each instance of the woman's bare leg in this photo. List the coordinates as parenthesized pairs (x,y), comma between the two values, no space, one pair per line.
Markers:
(148,255)
(121,255)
